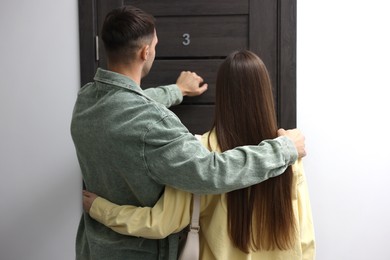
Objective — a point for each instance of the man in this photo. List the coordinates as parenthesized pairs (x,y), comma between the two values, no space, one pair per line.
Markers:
(129,145)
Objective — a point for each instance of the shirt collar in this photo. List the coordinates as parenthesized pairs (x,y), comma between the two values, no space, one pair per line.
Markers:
(116,79)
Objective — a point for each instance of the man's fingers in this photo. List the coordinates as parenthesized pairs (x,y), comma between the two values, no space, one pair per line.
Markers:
(203,88)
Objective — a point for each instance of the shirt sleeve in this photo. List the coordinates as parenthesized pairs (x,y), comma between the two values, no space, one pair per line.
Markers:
(174,157)
(307,235)
(169,215)
(168,96)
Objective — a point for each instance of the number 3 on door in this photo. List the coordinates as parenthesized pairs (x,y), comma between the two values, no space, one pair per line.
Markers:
(186,38)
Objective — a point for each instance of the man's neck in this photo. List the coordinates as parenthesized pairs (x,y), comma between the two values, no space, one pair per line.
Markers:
(132,73)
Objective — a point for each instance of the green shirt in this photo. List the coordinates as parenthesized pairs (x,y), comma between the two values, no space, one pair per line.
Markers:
(129,146)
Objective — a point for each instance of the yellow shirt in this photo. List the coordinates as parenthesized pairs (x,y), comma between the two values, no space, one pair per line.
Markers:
(172,213)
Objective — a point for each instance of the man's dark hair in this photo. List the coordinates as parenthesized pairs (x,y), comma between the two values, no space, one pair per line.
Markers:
(124,31)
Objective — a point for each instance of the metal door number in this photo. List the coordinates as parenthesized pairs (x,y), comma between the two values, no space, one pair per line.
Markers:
(187,40)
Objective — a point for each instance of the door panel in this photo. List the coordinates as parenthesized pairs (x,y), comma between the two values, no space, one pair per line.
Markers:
(191,7)
(197,118)
(201,36)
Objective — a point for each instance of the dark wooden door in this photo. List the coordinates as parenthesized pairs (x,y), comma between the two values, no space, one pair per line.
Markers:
(197,35)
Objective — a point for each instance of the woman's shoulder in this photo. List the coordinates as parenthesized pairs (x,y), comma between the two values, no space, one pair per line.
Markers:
(209,140)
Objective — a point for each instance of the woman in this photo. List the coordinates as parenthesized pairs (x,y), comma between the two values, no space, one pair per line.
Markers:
(270,220)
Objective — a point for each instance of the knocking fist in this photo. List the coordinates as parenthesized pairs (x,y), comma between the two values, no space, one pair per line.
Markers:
(190,84)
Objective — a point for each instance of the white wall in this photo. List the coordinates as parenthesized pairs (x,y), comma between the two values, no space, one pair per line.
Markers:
(40,187)
(343,108)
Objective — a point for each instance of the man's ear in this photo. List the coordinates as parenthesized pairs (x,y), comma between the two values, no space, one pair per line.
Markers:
(145,52)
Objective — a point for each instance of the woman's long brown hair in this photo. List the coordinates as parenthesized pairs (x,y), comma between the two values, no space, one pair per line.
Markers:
(260,217)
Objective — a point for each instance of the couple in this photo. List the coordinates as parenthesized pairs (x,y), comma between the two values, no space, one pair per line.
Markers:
(130,146)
